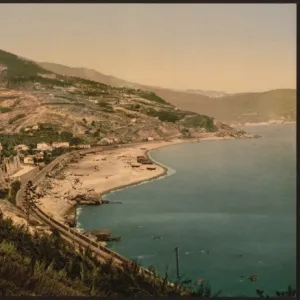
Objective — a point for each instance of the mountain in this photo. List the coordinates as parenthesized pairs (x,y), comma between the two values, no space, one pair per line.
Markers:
(210,94)
(89,74)
(41,105)
(229,108)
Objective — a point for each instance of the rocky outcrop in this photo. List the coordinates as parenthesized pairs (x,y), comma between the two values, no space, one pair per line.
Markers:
(84,197)
(10,165)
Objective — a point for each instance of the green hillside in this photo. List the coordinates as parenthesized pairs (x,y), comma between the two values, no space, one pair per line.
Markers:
(238,108)
(18,66)
(48,266)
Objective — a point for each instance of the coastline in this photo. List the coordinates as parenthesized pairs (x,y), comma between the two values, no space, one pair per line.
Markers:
(106,171)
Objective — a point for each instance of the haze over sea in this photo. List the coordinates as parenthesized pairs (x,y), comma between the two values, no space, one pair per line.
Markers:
(230,207)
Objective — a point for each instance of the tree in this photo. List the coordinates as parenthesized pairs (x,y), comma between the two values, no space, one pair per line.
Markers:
(66,135)
(75,141)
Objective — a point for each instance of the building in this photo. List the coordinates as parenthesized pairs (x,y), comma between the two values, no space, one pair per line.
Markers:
(35,127)
(60,145)
(3,68)
(21,147)
(113,139)
(29,160)
(44,147)
(105,141)
(83,146)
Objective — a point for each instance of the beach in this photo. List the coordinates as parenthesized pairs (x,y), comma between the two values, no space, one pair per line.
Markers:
(98,174)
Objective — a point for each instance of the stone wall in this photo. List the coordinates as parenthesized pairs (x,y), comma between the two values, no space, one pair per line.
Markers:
(11,165)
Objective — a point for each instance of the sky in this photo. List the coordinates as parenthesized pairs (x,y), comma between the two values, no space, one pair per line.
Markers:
(224,47)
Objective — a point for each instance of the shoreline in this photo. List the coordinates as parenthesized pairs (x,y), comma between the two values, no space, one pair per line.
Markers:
(104,172)
(234,125)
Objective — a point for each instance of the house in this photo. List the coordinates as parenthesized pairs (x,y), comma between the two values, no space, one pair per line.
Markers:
(29,160)
(21,147)
(113,139)
(83,146)
(3,68)
(61,145)
(105,141)
(150,138)
(44,147)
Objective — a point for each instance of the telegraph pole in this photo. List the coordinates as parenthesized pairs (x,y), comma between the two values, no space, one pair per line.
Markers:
(28,188)
(177,262)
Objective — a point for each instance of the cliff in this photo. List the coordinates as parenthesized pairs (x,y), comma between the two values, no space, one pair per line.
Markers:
(8,167)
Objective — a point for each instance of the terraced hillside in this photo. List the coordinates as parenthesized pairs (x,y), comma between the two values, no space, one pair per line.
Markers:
(38,103)
(236,108)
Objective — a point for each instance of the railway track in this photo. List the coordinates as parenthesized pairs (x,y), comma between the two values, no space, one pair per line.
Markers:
(70,234)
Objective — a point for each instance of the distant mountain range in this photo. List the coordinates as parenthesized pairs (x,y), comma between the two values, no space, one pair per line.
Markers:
(211,94)
(230,108)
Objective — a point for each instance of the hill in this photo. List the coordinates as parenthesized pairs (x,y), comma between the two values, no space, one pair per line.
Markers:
(40,105)
(47,265)
(236,108)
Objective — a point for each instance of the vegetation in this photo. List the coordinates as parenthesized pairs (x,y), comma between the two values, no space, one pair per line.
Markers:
(18,66)
(152,97)
(47,132)
(15,186)
(8,148)
(200,121)
(164,115)
(47,265)
(17,117)
(5,109)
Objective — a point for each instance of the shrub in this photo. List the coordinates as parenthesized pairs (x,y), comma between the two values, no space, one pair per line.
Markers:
(5,109)
(17,117)
(15,186)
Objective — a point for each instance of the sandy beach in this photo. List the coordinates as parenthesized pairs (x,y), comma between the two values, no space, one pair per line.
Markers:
(99,173)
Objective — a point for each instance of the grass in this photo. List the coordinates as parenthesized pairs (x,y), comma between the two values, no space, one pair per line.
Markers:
(152,97)
(5,109)
(49,266)
(17,117)
(199,121)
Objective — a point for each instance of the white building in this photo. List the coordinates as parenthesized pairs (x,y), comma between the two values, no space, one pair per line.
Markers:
(83,146)
(61,145)
(21,147)
(44,147)
(28,160)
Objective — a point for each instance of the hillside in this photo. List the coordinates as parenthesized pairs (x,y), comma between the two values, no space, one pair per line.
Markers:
(236,108)
(40,105)
(47,265)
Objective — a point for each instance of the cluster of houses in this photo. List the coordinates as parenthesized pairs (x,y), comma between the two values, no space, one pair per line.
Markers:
(48,147)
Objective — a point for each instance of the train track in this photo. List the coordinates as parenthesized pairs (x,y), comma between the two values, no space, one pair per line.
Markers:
(104,254)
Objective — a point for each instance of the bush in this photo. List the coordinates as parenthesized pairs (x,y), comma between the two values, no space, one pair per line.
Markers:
(15,186)
(17,117)
(200,121)
(152,97)
(164,115)
(5,109)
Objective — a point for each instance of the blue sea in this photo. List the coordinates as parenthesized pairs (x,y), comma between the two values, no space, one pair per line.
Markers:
(229,206)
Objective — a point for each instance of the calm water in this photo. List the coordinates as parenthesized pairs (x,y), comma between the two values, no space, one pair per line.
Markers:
(230,207)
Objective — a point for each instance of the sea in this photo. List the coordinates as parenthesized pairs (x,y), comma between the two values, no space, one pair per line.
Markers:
(228,205)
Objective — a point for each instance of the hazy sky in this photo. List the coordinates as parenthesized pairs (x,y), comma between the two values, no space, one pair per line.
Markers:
(230,47)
